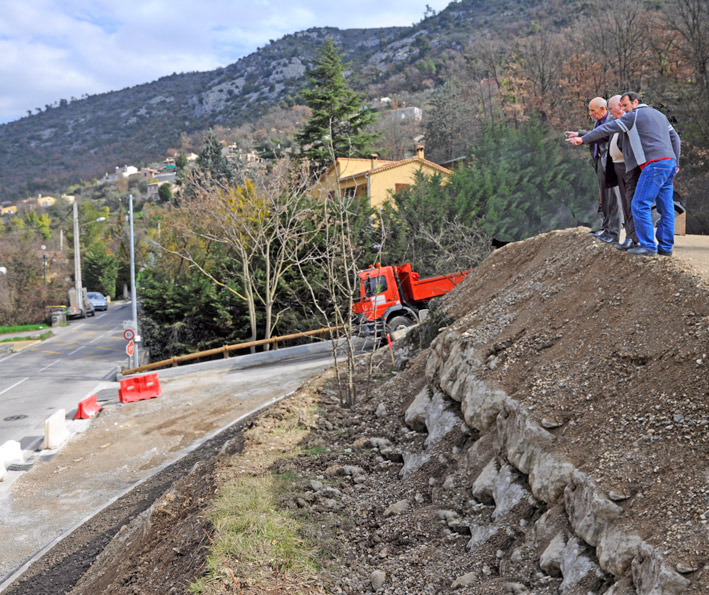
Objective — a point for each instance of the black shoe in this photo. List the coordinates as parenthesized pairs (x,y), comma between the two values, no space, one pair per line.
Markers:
(662,252)
(642,251)
(626,245)
(607,238)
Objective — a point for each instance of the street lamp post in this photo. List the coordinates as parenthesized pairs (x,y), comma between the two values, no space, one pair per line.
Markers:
(44,263)
(77,261)
(133,294)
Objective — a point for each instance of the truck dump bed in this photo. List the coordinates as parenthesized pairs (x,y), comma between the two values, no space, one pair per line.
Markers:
(424,289)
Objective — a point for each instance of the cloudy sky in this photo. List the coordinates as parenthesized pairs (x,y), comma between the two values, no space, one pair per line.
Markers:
(54,49)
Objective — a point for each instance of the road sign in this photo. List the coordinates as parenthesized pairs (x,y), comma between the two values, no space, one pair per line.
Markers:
(128,334)
(129,348)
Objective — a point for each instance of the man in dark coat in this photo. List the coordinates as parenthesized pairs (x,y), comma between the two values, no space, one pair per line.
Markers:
(627,180)
(605,175)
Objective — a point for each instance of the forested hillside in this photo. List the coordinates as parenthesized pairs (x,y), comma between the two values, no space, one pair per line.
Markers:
(473,62)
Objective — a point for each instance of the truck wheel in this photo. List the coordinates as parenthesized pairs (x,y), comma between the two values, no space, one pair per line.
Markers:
(399,322)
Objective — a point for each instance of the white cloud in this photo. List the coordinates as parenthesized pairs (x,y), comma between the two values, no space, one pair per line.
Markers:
(53,49)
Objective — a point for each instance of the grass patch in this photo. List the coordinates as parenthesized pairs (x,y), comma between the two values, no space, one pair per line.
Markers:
(314,450)
(41,337)
(259,541)
(21,328)
(255,539)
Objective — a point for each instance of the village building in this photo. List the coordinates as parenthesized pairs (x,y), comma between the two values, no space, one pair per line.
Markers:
(7,208)
(377,178)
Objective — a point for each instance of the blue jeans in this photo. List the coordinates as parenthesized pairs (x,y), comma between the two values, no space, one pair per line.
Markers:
(655,187)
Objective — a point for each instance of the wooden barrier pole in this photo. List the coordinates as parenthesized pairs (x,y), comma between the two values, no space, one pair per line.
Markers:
(227,348)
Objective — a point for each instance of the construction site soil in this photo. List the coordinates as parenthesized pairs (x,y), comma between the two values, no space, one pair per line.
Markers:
(605,351)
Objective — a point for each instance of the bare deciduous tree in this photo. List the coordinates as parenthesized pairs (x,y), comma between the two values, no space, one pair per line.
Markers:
(334,290)
(263,222)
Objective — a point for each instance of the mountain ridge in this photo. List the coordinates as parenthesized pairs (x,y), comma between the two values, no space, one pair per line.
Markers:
(82,139)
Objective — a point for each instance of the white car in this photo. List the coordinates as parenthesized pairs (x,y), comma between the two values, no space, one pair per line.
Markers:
(98,300)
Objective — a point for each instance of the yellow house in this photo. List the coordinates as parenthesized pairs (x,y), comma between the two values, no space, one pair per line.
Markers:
(40,201)
(8,210)
(377,178)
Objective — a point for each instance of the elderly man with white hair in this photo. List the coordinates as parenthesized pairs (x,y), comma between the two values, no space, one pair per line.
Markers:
(605,174)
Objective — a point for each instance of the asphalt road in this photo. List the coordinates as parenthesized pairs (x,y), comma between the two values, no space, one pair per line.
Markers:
(125,446)
(58,373)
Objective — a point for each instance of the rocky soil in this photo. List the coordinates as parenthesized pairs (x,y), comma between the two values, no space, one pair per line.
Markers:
(551,438)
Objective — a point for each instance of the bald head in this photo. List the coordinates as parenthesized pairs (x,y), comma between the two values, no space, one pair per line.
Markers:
(597,108)
(614,107)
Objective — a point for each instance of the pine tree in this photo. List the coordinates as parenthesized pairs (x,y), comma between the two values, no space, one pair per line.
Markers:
(339,122)
(211,160)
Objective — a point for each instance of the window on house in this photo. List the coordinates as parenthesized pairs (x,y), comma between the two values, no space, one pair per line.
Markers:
(399,187)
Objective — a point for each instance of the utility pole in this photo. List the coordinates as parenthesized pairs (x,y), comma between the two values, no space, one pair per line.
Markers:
(133,295)
(77,263)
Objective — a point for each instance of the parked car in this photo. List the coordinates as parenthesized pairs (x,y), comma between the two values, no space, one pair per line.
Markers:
(98,300)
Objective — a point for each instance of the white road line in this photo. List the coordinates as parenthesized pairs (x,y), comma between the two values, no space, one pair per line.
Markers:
(96,339)
(14,385)
(75,350)
(9,356)
(48,366)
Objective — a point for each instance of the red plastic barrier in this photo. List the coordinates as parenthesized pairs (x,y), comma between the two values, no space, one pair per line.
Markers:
(87,408)
(128,391)
(150,385)
(139,388)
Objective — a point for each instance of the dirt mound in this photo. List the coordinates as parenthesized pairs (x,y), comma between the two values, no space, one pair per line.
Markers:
(604,353)
(610,353)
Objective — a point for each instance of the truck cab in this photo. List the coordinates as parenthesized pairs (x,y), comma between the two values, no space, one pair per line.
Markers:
(392,297)
(379,297)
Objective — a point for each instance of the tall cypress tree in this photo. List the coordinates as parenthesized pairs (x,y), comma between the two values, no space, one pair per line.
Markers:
(337,127)
(211,160)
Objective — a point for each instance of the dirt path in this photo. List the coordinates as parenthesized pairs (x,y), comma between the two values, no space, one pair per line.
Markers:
(695,251)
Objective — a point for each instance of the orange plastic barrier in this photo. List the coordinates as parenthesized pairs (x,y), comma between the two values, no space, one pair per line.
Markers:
(87,408)
(139,388)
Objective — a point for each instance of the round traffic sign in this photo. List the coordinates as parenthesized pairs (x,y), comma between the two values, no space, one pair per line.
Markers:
(128,334)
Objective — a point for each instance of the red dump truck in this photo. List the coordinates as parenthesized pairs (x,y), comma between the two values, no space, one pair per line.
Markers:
(392,297)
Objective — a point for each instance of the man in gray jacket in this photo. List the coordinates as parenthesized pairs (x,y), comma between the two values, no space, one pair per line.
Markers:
(654,146)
